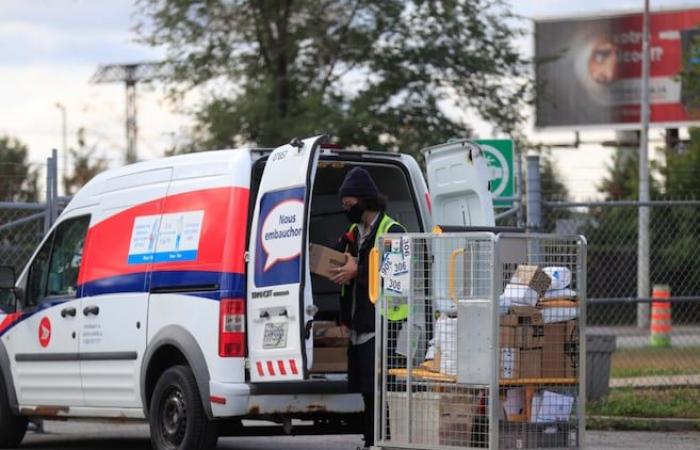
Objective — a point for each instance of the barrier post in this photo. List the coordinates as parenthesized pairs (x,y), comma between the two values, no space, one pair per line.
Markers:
(660,317)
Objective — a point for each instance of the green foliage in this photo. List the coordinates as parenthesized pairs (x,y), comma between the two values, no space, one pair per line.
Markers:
(18,181)
(85,165)
(622,180)
(374,74)
(671,403)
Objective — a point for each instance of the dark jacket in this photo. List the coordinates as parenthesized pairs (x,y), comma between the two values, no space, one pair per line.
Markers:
(363,321)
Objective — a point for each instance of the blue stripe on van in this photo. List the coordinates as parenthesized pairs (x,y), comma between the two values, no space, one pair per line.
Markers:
(192,282)
(232,285)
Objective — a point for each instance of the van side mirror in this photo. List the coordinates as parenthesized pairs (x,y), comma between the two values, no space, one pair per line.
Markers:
(8,299)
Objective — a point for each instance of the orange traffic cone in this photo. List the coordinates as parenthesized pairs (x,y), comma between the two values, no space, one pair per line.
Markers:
(661,317)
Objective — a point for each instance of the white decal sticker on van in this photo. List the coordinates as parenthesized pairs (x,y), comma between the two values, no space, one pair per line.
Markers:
(166,238)
(281,230)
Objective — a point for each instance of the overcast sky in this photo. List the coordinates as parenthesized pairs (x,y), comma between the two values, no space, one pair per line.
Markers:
(49,49)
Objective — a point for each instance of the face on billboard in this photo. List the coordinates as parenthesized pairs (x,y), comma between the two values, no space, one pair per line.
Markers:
(602,62)
(589,70)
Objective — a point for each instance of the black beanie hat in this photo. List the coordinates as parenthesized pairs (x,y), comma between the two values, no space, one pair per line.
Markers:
(358,183)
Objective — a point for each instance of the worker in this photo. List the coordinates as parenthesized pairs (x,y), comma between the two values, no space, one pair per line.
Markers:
(365,208)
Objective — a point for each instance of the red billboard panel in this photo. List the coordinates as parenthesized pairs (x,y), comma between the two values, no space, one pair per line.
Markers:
(589,70)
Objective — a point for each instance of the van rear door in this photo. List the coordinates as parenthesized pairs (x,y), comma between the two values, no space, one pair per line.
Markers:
(458,181)
(279,300)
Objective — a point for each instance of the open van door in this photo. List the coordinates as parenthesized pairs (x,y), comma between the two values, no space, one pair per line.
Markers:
(279,301)
(458,181)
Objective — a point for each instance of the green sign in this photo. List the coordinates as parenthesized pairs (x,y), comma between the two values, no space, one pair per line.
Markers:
(499,158)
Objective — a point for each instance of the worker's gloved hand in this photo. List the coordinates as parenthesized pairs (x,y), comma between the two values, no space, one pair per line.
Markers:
(346,273)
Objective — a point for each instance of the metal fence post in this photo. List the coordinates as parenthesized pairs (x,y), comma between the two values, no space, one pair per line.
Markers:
(643,237)
(520,218)
(49,186)
(534,193)
(54,187)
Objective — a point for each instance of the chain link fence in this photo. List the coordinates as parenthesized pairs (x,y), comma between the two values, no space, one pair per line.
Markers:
(649,353)
(23,223)
(21,229)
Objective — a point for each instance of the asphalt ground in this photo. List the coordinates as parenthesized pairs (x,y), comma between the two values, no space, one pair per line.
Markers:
(109,436)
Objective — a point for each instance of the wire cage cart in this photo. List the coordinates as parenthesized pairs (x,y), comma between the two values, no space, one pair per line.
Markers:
(479,340)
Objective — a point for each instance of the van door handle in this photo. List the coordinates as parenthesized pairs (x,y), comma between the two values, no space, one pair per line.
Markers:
(264,315)
(65,312)
(94,310)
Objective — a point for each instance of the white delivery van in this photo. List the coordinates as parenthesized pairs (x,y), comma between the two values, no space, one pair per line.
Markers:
(178,290)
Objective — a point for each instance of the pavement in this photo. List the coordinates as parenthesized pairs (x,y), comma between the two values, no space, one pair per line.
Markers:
(663,381)
(110,436)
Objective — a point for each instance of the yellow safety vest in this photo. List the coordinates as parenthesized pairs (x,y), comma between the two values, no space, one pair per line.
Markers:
(396,312)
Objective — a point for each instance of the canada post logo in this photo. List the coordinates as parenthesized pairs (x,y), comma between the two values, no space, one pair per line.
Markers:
(280,237)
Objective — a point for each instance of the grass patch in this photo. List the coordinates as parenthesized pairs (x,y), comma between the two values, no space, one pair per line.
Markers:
(681,403)
(648,361)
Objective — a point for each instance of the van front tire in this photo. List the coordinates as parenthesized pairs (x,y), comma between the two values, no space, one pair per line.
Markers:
(176,416)
(12,427)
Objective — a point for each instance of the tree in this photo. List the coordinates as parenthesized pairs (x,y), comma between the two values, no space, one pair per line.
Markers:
(377,74)
(85,165)
(622,180)
(18,180)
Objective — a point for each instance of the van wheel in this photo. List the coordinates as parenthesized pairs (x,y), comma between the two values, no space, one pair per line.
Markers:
(12,427)
(176,416)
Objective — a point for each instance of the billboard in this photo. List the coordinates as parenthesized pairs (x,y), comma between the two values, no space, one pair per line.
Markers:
(589,70)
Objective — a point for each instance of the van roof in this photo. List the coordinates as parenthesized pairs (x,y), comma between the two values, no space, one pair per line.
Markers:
(216,160)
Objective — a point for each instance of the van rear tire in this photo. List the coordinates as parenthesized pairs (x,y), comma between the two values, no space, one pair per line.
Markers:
(12,427)
(176,415)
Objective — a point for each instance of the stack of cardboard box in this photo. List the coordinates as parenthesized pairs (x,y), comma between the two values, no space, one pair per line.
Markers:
(330,348)
(521,340)
(560,350)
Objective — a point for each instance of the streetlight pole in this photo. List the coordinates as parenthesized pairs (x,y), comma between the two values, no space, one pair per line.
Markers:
(643,237)
(64,149)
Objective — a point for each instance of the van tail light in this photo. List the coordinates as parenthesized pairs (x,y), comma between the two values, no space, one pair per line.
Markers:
(429,201)
(232,327)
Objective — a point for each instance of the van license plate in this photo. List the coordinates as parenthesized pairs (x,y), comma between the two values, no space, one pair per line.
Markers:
(275,335)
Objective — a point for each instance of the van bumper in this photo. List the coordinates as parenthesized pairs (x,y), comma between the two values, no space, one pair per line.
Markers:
(228,399)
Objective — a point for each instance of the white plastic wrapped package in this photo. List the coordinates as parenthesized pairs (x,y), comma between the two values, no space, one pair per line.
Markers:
(518,295)
(565,293)
(561,277)
(550,406)
(559,314)
(446,337)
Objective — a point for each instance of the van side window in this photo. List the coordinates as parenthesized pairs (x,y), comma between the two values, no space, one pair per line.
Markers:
(55,272)
(38,272)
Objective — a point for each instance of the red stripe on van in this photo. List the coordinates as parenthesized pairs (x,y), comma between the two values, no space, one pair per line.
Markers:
(280,364)
(293,366)
(8,320)
(221,242)
(271,368)
(261,372)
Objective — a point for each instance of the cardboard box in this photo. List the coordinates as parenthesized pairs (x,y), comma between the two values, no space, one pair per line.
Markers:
(533,277)
(520,363)
(330,334)
(522,315)
(522,327)
(560,350)
(458,415)
(322,260)
(330,359)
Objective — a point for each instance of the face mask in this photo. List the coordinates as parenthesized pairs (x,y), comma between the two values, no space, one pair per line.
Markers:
(354,214)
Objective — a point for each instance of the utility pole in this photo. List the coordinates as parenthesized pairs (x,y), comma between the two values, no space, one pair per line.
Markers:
(130,75)
(643,238)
